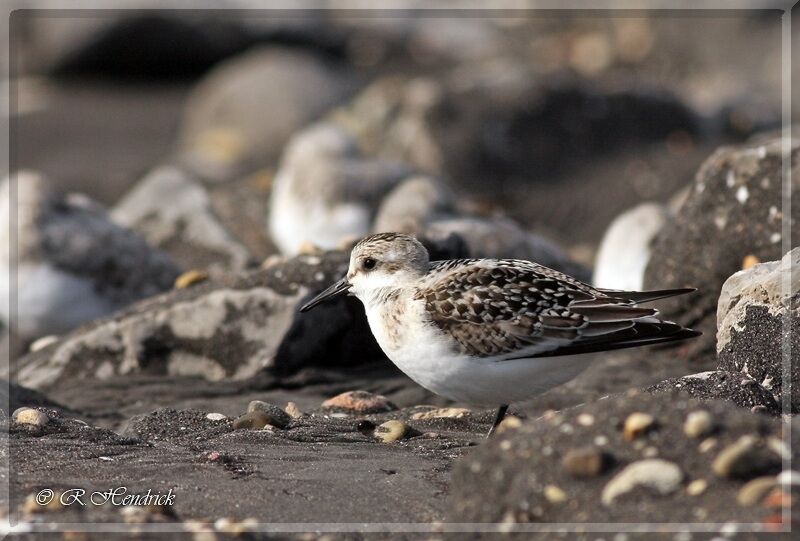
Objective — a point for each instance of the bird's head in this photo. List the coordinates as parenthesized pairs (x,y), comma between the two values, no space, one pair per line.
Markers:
(380,262)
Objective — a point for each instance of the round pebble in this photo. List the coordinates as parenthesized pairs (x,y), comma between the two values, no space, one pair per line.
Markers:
(190,278)
(660,476)
(30,416)
(554,494)
(585,419)
(585,462)
(391,431)
(750,261)
(274,414)
(637,424)
(696,487)
(698,424)
(755,490)
(509,423)
(216,416)
(360,401)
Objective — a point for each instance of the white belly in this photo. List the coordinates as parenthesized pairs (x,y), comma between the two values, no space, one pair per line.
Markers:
(428,358)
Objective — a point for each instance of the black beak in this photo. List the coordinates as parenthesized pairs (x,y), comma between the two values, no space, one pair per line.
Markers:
(342,286)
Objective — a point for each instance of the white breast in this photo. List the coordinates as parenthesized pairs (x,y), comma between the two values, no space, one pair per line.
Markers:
(429,357)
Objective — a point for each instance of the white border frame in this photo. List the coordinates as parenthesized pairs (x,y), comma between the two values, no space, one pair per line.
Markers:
(519,6)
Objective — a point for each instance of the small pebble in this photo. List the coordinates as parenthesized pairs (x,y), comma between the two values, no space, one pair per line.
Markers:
(755,490)
(585,419)
(293,411)
(30,416)
(554,494)
(696,487)
(391,431)
(43,342)
(789,477)
(585,462)
(650,452)
(216,416)
(658,475)
(360,401)
(698,424)
(778,498)
(509,423)
(190,278)
(272,260)
(253,419)
(438,413)
(707,444)
(275,415)
(750,261)
(746,458)
(637,424)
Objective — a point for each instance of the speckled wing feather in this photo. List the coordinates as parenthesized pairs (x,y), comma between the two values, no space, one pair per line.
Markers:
(508,309)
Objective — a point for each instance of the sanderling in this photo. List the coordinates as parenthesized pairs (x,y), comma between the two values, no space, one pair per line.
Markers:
(326,190)
(491,331)
(71,263)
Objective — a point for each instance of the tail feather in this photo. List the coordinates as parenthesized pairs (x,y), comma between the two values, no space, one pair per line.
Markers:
(648,296)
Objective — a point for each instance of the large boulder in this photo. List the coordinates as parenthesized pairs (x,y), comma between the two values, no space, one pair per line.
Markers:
(73,264)
(625,249)
(629,458)
(758,315)
(496,120)
(175,212)
(226,329)
(242,114)
(732,215)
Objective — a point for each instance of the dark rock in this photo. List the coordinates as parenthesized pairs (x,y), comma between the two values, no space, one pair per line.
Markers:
(514,469)
(152,46)
(755,318)
(496,120)
(733,211)
(226,329)
(720,385)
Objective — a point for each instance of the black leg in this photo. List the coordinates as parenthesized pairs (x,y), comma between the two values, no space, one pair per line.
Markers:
(501,413)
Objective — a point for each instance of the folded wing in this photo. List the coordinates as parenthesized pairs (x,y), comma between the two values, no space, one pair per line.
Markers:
(509,309)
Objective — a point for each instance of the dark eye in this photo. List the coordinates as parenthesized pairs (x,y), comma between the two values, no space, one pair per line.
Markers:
(369,263)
